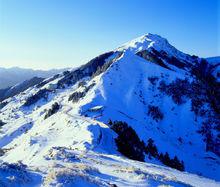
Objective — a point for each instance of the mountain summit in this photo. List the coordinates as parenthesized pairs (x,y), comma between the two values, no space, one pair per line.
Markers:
(148,41)
(144,101)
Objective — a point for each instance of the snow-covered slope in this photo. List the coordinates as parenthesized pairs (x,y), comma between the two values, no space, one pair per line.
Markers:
(60,130)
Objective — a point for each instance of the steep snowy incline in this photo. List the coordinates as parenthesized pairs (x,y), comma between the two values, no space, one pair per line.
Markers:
(126,96)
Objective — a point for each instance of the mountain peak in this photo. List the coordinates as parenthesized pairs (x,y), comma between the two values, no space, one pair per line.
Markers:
(148,41)
(154,37)
(152,41)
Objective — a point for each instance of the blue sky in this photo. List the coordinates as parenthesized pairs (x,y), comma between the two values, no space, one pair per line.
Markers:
(43,34)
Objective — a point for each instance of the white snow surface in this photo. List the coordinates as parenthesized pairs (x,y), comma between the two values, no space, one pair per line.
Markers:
(76,147)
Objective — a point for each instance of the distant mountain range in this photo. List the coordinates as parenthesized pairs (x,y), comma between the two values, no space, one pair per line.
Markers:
(12,76)
(18,88)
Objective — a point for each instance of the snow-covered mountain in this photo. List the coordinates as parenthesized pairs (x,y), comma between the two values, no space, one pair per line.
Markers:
(145,100)
(15,75)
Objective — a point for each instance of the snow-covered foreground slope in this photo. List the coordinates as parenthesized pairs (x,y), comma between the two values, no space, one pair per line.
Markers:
(59,134)
(66,167)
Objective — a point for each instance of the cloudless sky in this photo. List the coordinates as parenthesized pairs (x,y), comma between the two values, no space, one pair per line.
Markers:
(43,34)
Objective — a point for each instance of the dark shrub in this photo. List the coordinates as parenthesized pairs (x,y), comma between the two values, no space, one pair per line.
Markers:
(71,78)
(212,144)
(155,112)
(41,94)
(158,57)
(153,57)
(165,158)
(66,72)
(196,105)
(151,149)
(55,107)
(16,174)
(206,84)
(102,68)
(153,79)
(128,142)
(2,152)
(131,146)
(3,104)
(89,87)
(1,123)
(19,166)
(86,70)
(173,163)
(194,56)
(81,84)
(76,96)
(203,91)
(174,61)
(177,89)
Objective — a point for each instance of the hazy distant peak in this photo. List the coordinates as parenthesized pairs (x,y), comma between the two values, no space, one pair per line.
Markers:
(12,76)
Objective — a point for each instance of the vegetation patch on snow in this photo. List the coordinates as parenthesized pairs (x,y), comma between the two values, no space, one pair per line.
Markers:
(54,109)
(41,94)
(129,144)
